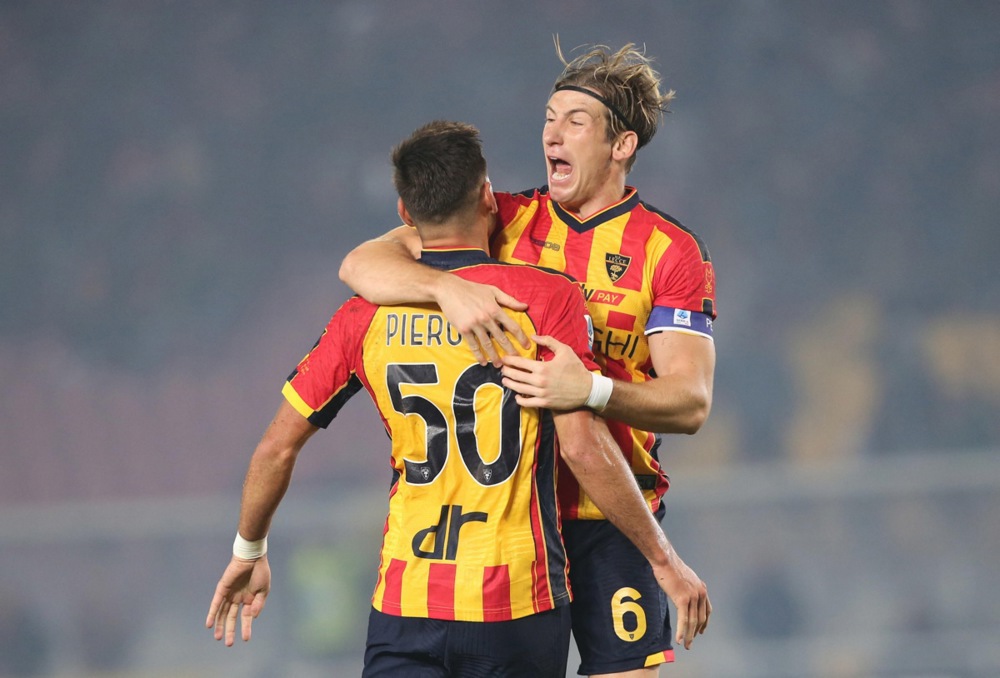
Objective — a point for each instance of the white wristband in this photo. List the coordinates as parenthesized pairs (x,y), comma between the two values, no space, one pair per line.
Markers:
(600,392)
(249,550)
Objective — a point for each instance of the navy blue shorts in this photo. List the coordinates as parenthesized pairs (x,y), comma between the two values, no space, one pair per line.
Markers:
(621,619)
(414,647)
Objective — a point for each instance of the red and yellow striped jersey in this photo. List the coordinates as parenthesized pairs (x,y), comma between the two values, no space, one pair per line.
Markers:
(642,273)
(472,532)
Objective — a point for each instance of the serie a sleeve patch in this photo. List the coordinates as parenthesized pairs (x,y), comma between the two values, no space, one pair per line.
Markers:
(665,319)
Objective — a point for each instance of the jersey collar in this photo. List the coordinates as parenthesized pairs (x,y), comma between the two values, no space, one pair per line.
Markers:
(454,257)
(629,202)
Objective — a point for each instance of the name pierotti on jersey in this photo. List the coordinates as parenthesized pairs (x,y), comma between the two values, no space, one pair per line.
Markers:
(419,329)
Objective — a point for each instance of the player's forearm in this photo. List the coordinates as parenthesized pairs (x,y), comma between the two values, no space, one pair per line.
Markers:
(384,271)
(270,470)
(596,461)
(664,405)
(266,482)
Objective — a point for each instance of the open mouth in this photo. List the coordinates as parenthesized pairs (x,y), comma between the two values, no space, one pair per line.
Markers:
(559,169)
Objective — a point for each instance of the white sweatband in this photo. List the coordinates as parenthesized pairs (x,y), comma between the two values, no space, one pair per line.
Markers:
(600,392)
(249,550)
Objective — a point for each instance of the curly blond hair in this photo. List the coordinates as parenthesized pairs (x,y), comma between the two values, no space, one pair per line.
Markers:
(627,80)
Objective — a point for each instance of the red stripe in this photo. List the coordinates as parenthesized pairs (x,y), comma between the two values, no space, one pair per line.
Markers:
(620,321)
(385,531)
(525,250)
(542,594)
(634,239)
(665,657)
(496,594)
(578,250)
(392,598)
(441,591)
(568,491)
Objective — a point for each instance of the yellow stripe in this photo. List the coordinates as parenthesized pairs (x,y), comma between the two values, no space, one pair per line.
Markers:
(296,401)
(654,659)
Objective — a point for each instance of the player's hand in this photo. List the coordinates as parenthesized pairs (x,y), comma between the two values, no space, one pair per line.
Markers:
(689,595)
(245,583)
(476,311)
(562,383)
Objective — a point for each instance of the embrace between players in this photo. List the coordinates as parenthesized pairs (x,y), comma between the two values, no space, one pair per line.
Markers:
(516,513)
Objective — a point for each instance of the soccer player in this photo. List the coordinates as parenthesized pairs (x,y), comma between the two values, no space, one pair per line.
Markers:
(650,288)
(473,572)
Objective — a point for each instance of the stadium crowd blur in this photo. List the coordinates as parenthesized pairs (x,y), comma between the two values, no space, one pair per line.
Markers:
(179,182)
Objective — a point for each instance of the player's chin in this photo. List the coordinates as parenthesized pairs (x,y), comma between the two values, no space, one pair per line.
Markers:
(559,193)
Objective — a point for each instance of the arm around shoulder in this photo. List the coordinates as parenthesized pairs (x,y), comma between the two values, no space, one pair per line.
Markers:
(385,270)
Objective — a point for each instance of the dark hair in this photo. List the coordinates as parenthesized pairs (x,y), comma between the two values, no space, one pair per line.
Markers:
(439,170)
(627,81)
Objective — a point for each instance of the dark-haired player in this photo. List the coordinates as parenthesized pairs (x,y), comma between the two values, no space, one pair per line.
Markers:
(473,573)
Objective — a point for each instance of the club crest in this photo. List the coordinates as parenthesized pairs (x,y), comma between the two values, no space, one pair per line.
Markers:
(616,265)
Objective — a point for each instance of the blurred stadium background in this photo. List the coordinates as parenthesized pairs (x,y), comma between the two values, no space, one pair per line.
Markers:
(180,181)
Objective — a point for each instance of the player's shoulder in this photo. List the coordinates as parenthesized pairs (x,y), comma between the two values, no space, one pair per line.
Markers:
(532,282)
(524,197)
(533,274)
(674,229)
(355,310)
(527,193)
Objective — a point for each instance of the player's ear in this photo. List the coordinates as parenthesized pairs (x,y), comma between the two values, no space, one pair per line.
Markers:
(403,214)
(625,146)
(486,195)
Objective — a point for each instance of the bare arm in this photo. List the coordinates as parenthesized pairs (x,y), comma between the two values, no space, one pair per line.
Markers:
(595,459)
(270,470)
(246,583)
(678,400)
(385,271)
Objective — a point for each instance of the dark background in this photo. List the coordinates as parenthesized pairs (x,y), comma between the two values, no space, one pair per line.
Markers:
(179,182)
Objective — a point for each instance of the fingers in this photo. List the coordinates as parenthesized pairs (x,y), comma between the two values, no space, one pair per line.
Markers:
(527,386)
(218,612)
(213,611)
(500,328)
(246,620)
(694,622)
(551,343)
(692,619)
(683,636)
(219,620)
(231,614)
(225,613)
(485,337)
(510,302)
(522,380)
(480,340)
(704,612)
(510,326)
(478,313)
(471,340)
(517,363)
(525,401)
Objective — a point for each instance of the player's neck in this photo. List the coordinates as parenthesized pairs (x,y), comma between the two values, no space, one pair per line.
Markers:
(455,235)
(598,202)
(599,197)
